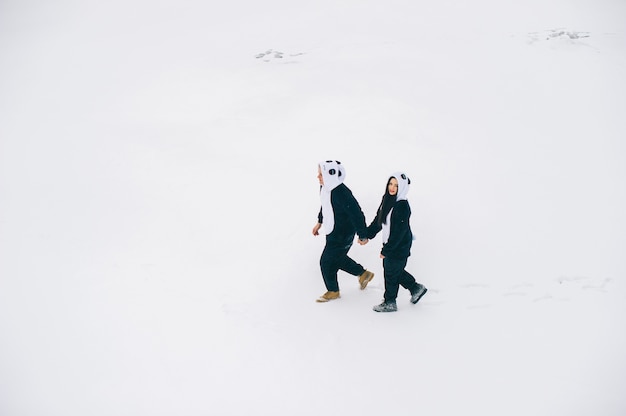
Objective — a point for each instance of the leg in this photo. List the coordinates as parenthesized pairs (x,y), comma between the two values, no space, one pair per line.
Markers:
(407,281)
(334,259)
(344,262)
(355,269)
(350,266)
(393,270)
(329,265)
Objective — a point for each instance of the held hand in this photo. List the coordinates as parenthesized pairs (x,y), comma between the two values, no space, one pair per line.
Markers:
(382,257)
(316,229)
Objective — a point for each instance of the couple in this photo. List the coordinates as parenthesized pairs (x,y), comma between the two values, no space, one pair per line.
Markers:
(342,218)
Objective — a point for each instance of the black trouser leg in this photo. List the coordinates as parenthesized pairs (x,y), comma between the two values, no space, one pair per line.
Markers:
(335,258)
(395,275)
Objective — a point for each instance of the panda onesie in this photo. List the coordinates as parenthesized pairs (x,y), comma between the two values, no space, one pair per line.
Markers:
(393,218)
(341,218)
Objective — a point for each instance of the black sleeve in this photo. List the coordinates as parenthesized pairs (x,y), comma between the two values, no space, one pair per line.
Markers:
(320,217)
(375,227)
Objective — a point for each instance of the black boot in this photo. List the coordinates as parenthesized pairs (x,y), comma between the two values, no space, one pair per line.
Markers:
(417,293)
(386,307)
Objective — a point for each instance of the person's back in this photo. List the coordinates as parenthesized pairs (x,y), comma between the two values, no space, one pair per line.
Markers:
(349,218)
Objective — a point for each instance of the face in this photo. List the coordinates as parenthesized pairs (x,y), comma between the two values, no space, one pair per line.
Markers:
(319,175)
(392,186)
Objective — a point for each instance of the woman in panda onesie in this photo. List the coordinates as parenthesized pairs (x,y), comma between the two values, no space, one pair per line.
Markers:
(392,218)
(342,218)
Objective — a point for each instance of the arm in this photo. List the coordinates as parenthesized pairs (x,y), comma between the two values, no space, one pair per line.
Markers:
(374,228)
(320,220)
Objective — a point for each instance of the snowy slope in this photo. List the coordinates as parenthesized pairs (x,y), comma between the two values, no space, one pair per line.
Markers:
(157,193)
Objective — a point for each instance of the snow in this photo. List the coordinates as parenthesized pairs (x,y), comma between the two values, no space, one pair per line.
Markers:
(158,189)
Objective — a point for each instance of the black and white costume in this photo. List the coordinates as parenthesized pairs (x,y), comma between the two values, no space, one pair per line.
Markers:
(341,218)
(392,218)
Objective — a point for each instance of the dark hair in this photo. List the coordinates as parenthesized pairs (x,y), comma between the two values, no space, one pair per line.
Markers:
(386,203)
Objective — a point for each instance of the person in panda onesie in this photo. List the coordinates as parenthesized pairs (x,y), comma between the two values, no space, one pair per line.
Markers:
(341,218)
(392,218)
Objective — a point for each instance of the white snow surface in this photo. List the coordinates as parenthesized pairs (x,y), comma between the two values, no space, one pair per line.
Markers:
(158,188)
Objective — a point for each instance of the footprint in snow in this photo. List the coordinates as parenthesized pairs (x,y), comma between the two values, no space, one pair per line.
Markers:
(559,34)
(273,55)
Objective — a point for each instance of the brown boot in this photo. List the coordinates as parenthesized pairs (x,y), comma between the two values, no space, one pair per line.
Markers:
(328,296)
(365,278)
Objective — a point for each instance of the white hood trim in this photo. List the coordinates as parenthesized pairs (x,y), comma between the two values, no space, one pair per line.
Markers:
(333,174)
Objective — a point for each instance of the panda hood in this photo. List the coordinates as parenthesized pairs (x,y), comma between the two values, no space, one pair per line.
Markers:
(403,185)
(333,174)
